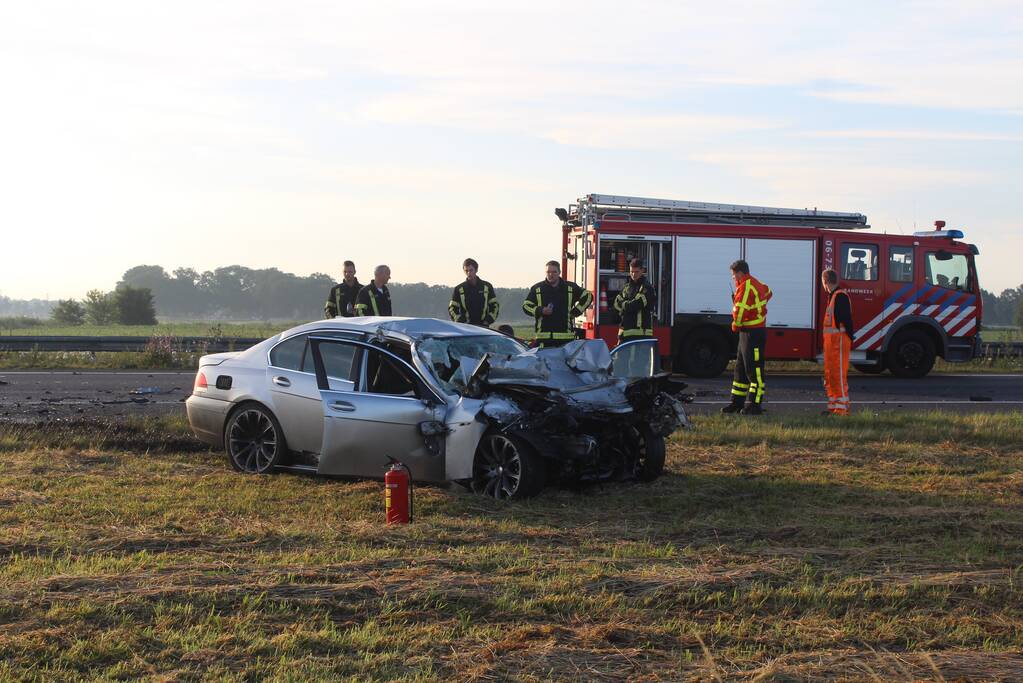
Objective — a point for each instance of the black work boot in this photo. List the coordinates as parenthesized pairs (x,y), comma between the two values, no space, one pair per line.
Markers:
(752,409)
(734,407)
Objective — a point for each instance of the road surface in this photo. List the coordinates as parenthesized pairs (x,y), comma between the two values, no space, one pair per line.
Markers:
(121,393)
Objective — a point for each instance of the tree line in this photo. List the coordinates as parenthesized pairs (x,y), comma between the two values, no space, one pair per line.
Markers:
(240,293)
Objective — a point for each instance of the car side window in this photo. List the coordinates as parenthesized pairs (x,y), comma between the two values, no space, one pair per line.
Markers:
(900,264)
(859,262)
(338,360)
(384,375)
(288,355)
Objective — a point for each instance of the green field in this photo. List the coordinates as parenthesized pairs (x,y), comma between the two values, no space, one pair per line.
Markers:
(188,361)
(885,547)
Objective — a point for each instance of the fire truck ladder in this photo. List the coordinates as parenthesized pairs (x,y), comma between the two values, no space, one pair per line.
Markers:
(594,207)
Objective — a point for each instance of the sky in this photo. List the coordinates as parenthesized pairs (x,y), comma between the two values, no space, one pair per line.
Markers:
(297,135)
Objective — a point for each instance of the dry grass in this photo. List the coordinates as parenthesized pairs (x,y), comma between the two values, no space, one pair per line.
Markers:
(878,548)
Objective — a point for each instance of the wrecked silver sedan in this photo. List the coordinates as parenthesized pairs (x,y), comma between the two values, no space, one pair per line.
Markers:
(453,402)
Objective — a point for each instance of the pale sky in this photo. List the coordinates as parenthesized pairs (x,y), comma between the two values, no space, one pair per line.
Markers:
(299,134)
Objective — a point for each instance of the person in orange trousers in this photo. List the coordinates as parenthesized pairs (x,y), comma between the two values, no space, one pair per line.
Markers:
(838,338)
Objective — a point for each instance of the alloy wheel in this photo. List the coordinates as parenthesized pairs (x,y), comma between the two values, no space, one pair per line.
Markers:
(252,441)
(497,471)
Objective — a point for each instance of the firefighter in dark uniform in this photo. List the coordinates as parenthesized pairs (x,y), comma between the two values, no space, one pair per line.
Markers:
(375,298)
(636,304)
(749,319)
(554,304)
(473,301)
(341,300)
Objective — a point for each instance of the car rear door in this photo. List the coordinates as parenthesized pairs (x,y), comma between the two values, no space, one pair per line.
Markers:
(388,413)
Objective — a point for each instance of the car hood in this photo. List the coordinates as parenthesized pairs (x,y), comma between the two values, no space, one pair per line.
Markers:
(578,374)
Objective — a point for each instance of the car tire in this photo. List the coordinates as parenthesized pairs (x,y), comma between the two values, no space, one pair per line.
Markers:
(506,467)
(704,353)
(254,440)
(647,449)
(910,354)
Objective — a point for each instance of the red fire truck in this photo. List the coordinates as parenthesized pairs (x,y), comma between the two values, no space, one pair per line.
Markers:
(914,297)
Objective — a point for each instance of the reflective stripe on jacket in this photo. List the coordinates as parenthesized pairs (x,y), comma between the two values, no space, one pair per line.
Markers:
(749,307)
(373,302)
(475,304)
(341,295)
(635,304)
(569,300)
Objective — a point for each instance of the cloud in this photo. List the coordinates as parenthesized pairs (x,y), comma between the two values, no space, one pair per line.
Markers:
(937,135)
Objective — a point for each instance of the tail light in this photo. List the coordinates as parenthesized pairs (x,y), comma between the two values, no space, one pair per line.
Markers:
(200,380)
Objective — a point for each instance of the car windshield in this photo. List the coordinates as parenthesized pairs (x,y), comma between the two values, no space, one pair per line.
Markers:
(445,355)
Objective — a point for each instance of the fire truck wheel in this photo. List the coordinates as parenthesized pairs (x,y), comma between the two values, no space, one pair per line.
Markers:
(506,467)
(910,354)
(704,353)
(648,448)
(875,369)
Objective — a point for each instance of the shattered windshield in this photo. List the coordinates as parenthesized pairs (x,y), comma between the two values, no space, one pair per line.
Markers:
(445,355)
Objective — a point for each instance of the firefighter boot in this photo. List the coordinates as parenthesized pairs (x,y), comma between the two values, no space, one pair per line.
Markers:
(752,409)
(735,406)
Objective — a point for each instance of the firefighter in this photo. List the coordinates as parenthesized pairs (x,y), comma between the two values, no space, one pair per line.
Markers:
(375,298)
(749,319)
(635,304)
(473,301)
(554,304)
(341,300)
(838,338)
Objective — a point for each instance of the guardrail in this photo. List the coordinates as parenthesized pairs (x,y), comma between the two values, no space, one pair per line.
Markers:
(73,343)
(193,344)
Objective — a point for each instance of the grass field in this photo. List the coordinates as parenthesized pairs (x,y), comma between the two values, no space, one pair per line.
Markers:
(884,547)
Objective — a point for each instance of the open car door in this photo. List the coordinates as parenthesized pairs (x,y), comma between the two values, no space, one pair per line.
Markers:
(389,413)
(636,359)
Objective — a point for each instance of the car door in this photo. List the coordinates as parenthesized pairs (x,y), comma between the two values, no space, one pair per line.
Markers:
(636,359)
(388,413)
(295,396)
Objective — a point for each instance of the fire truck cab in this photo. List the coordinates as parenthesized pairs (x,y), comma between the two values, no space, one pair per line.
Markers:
(914,297)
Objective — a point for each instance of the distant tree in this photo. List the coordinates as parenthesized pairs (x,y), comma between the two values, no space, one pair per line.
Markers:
(100,307)
(1019,312)
(134,305)
(68,312)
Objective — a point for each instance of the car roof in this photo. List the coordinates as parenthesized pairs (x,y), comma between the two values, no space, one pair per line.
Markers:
(413,328)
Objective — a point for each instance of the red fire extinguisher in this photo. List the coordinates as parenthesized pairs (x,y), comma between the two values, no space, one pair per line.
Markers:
(398,494)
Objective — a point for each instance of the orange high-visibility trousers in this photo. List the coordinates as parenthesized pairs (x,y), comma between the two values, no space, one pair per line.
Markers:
(836,371)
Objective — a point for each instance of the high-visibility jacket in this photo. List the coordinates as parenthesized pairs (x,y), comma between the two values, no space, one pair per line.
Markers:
(838,335)
(475,304)
(635,304)
(569,300)
(372,301)
(838,314)
(342,295)
(749,308)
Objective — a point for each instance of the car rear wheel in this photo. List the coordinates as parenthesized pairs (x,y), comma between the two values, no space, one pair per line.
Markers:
(506,467)
(255,443)
(647,449)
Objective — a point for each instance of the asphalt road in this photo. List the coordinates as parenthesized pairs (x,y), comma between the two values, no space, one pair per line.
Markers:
(52,394)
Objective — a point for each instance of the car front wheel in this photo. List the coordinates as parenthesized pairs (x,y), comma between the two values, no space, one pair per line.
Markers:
(506,467)
(255,443)
(648,452)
